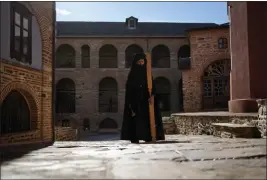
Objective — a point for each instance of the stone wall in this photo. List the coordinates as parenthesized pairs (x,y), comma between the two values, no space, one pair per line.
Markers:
(196,124)
(66,134)
(87,79)
(204,51)
(34,85)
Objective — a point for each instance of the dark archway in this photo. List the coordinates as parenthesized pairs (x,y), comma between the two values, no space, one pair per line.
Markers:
(163,87)
(184,51)
(86,124)
(130,52)
(216,85)
(108,56)
(65,96)
(65,56)
(160,57)
(15,114)
(108,95)
(85,50)
(108,123)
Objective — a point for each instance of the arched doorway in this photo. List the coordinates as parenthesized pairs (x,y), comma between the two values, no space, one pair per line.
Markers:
(163,90)
(129,53)
(86,124)
(108,124)
(65,96)
(216,85)
(108,56)
(65,56)
(108,95)
(15,114)
(160,57)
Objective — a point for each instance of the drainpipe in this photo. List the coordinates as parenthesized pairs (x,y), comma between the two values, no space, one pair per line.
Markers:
(53,71)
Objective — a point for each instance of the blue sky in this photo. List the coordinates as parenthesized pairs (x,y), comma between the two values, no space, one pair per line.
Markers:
(215,12)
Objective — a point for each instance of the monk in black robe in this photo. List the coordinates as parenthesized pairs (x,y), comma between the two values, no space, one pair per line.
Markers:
(136,122)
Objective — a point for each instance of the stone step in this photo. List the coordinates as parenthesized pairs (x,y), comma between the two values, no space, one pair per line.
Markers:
(231,130)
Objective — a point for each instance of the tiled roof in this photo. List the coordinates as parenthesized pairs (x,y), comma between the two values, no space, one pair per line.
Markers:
(120,29)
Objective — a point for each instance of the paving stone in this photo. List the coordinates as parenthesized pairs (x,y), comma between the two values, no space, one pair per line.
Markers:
(191,157)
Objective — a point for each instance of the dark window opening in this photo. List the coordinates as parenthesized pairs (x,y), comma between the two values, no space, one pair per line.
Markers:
(223,43)
(15,114)
(21,33)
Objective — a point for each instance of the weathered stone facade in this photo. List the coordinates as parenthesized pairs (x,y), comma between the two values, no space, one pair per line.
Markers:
(33,83)
(87,79)
(204,47)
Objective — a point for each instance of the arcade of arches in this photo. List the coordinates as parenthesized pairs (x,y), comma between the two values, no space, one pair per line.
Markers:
(94,90)
(108,56)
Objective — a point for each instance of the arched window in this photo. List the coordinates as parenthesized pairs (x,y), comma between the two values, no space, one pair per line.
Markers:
(65,96)
(222,43)
(108,56)
(184,61)
(108,123)
(163,88)
(65,56)
(21,33)
(216,85)
(130,52)
(15,114)
(108,95)
(85,56)
(161,57)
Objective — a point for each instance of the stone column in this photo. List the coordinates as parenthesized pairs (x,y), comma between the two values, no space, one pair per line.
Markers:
(121,59)
(78,57)
(94,59)
(173,60)
(248,55)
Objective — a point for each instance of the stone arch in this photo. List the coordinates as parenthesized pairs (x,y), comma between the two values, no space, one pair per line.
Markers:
(85,52)
(108,123)
(160,56)
(65,56)
(108,95)
(129,53)
(108,56)
(86,124)
(163,90)
(19,112)
(216,85)
(65,96)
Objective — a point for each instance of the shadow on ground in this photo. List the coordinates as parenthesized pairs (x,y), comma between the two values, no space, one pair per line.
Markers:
(165,142)
(9,153)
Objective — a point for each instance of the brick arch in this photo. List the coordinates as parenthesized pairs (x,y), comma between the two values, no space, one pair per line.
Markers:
(108,95)
(42,21)
(29,95)
(108,123)
(163,90)
(108,56)
(65,56)
(161,56)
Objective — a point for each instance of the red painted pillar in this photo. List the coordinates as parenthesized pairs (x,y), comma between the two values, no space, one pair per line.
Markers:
(248,33)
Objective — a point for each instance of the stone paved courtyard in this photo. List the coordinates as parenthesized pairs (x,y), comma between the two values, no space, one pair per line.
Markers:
(180,157)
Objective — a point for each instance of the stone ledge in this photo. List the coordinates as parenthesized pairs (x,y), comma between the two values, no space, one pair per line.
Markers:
(231,130)
(201,122)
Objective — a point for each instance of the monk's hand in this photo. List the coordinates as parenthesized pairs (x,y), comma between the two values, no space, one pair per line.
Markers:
(151,100)
(133,114)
